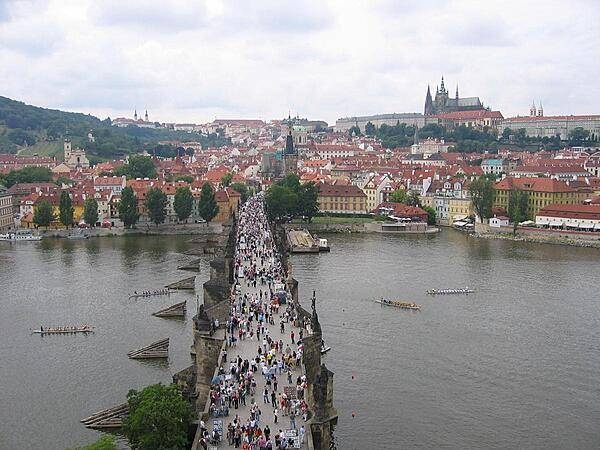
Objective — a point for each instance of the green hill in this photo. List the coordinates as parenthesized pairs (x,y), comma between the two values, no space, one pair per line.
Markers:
(27,130)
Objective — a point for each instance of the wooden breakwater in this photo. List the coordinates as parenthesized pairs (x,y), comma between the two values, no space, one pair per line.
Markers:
(158,349)
(176,310)
(111,418)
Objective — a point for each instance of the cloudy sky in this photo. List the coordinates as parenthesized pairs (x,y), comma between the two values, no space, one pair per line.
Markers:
(195,60)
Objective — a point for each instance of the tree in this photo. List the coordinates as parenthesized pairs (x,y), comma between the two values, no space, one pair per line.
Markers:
(90,211)
(578,135)
(207,206)
(226,179)
(128,211)
(482,195)
(281,202)
(354,131)
(413,199)
(138,167)
(431,215)
(186,178)
(158,418)
(309,206)
(398,196)
(104,443)
(43,215)
(66,209)
(156,204)
(242,189)
(370,129)
(517,207)
(183,203)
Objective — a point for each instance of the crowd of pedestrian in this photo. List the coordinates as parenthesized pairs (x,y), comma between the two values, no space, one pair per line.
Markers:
(260,327)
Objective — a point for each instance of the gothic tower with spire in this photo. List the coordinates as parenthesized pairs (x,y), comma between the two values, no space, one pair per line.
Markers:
(428,103)
(443,103)
(290,153)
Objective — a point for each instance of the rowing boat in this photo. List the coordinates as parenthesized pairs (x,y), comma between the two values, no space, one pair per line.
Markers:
(397,304)
(450,291)
(64,330)
(150,294)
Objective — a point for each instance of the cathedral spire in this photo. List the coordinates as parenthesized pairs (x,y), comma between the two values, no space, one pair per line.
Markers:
(146,116)
(135,114)
(428,103)
(456,91)
(442,87)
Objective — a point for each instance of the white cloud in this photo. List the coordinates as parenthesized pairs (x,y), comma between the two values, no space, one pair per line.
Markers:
(194,61)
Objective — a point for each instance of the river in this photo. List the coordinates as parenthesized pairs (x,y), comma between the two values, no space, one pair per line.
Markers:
(514,365)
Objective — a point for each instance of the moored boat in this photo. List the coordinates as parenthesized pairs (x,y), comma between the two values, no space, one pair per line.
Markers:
(65,330)
(20,235)
(399,304)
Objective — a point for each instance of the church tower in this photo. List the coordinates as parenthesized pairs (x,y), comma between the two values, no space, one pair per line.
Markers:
(146,116)
(540,111)
(135,114)
(428,103)
(532,110)
(67,149)
(290,153)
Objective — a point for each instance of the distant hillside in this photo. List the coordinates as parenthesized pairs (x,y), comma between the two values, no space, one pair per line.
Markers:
(27,129)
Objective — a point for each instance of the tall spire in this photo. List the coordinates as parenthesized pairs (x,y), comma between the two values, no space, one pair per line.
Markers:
(135,114)
(428,103)
(456,91)
(146,116)
(442,87)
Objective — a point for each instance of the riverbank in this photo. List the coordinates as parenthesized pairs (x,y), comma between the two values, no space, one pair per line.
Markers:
(141,230)
(355,227)
(539,236)
(540,239)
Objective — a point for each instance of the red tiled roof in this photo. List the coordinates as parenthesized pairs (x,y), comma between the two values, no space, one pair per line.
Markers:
(533,184)
(542,118)
(330,190)
(581,211)
(476,114)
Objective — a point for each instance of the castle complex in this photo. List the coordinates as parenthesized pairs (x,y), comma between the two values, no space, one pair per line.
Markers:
(443,103)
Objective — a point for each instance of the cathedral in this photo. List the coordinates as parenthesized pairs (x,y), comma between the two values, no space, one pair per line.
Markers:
(443,103)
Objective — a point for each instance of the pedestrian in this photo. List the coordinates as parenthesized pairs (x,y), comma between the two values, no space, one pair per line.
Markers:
(275,415)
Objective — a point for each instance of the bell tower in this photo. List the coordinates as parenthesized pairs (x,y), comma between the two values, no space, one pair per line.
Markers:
(67,149)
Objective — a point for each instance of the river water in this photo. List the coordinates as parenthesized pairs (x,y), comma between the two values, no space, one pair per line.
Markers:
(515,365)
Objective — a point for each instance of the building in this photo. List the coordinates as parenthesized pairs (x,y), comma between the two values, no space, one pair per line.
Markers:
(400,211)
(347,199)
(550,126)
(6,211)
(74,159)
(428,146)
(592,164)
(495,166)
(580,217)
(123,122)
(444,104)
(328,151)
(499,221)
(228,201)
(541,192)
(414,119)
(115,184)
(479,119)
